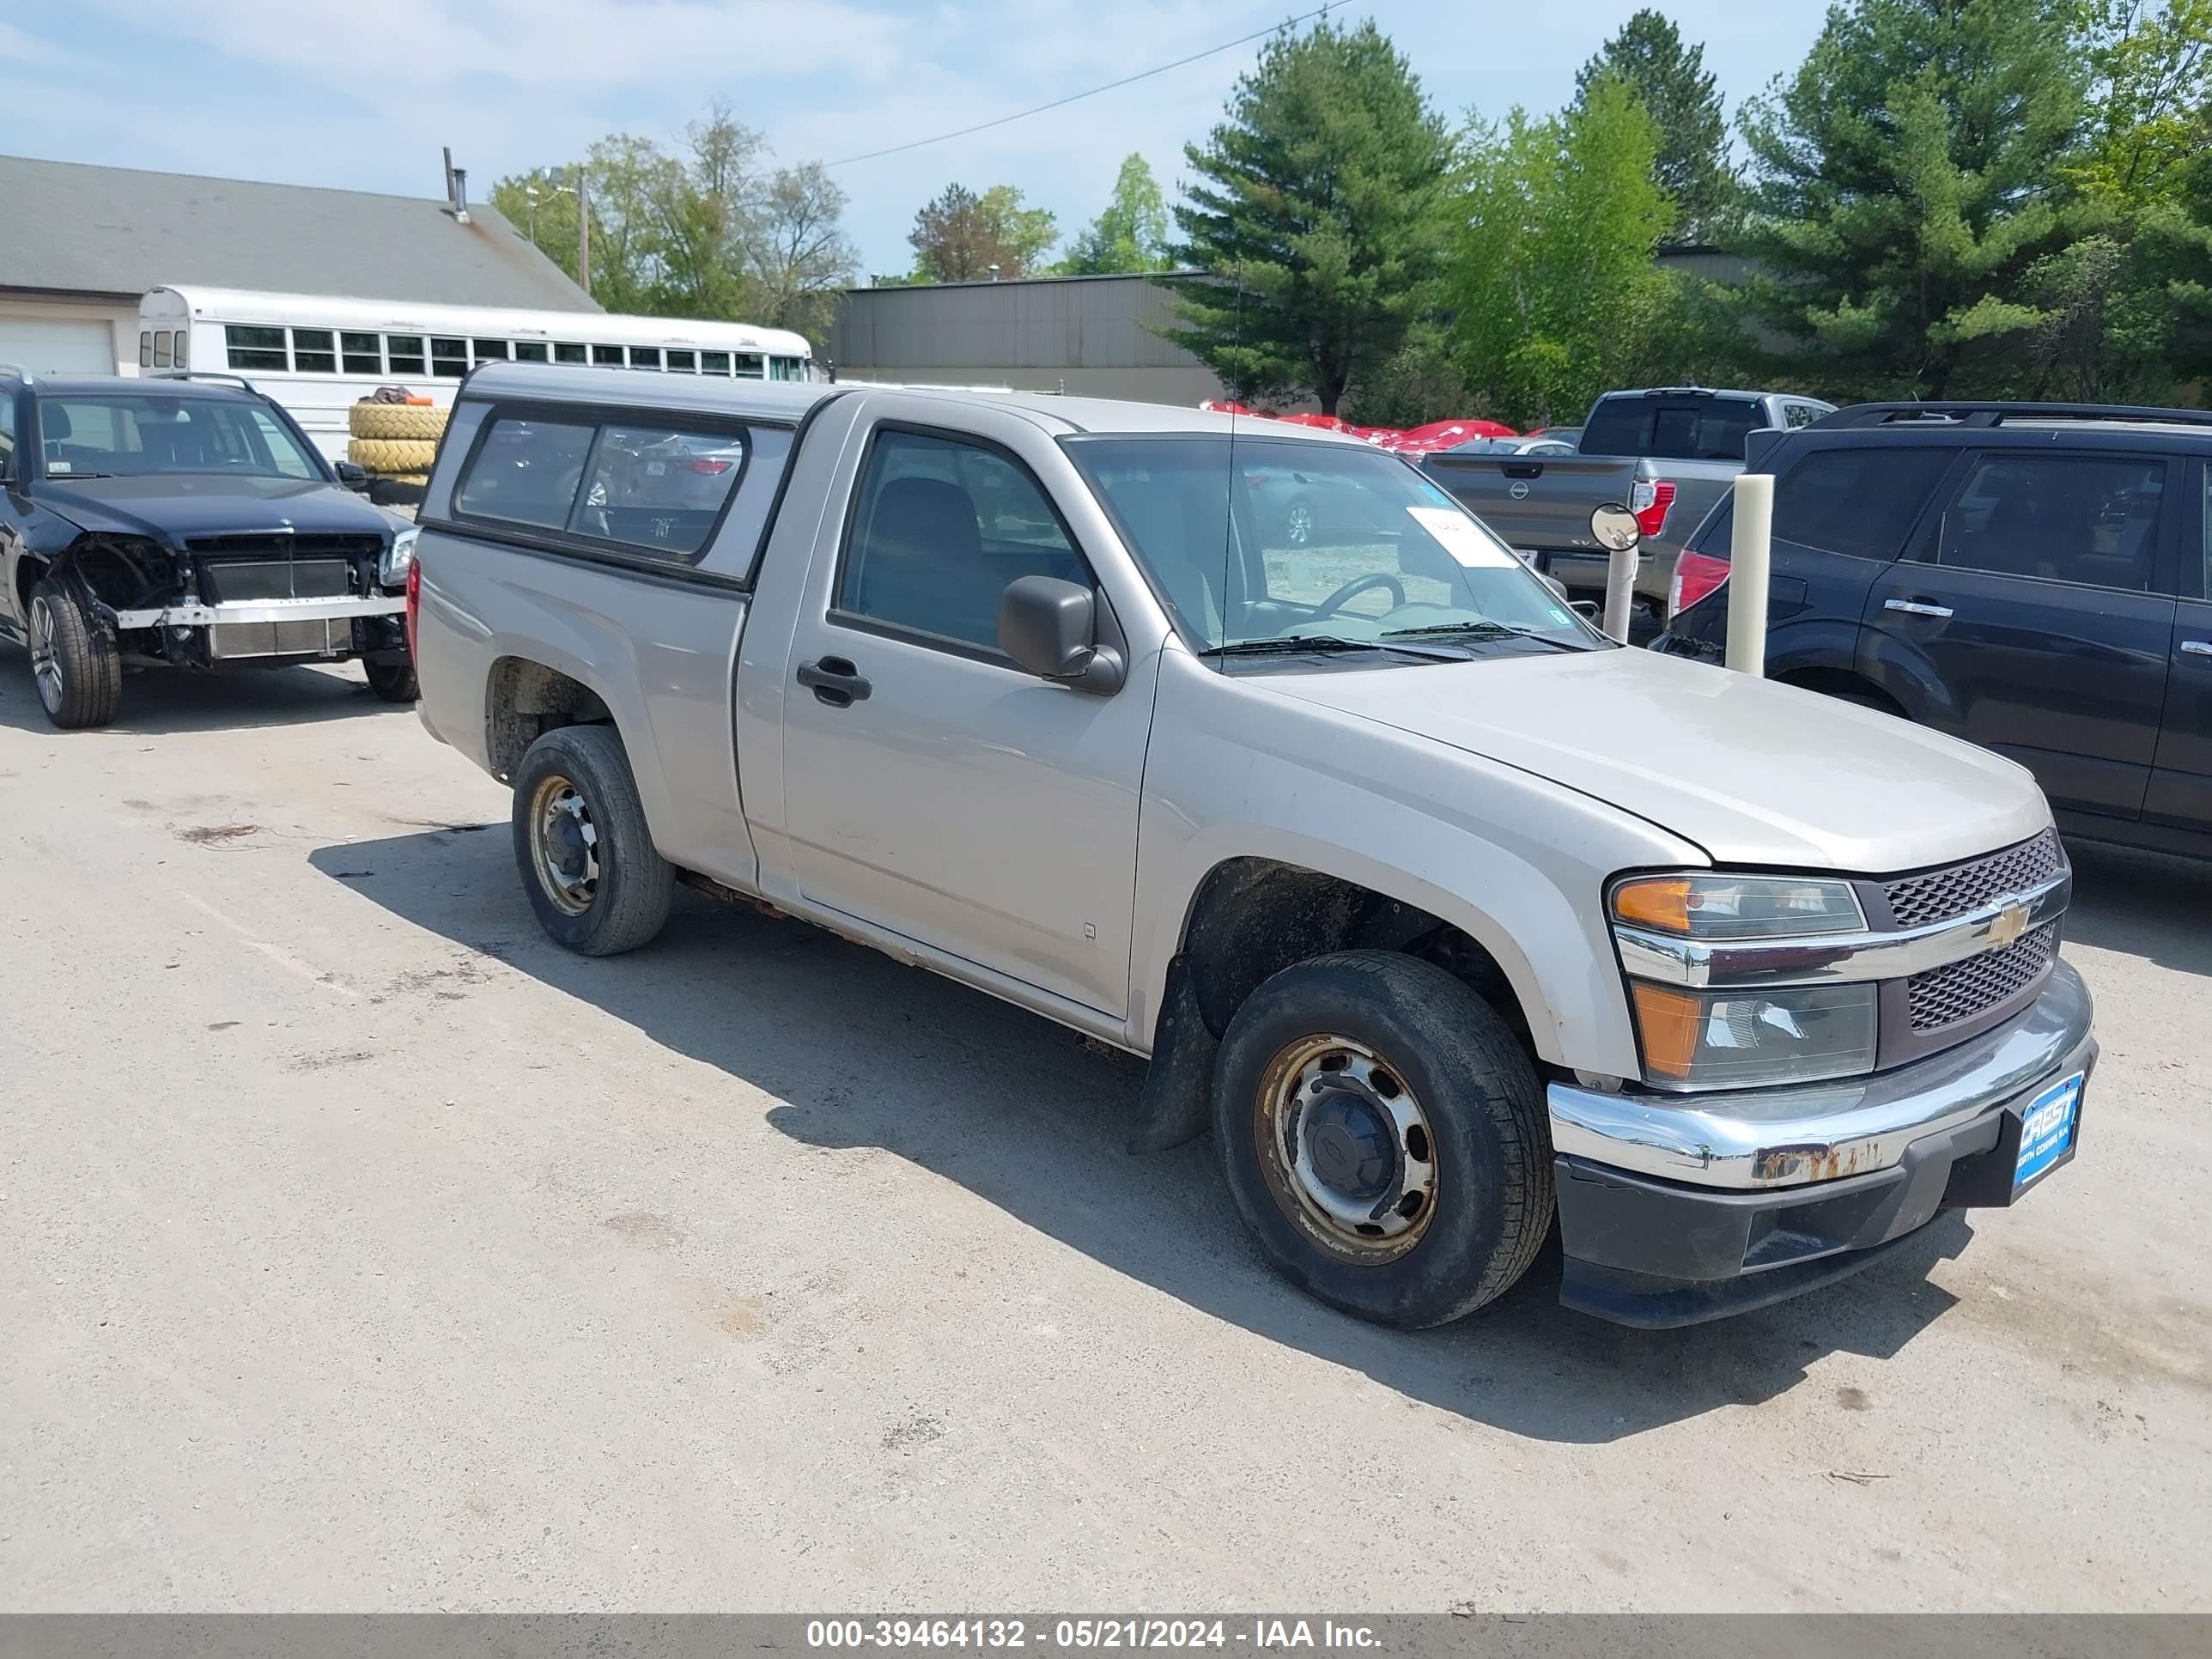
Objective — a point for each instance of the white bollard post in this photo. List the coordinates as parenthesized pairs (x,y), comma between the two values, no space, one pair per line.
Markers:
(1748,566)
(1620,590)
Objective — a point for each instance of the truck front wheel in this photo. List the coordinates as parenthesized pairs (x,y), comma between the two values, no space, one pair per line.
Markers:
(1384,1134)
(74,660)
(598,883)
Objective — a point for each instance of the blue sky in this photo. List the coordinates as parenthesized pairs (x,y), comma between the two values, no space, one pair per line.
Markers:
(361,95)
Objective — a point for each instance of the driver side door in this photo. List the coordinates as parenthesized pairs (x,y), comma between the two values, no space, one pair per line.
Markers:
(931,786)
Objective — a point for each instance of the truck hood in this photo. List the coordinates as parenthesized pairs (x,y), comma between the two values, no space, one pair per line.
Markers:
(1753,772)
(172,506)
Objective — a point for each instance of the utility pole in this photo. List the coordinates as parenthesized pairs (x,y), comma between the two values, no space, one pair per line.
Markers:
(583,232)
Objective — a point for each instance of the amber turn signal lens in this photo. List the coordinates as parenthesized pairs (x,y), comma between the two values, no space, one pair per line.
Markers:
(1668,1022)
(1662,903)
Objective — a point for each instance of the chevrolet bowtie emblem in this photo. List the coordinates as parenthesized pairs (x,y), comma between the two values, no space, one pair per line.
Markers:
(2011,922)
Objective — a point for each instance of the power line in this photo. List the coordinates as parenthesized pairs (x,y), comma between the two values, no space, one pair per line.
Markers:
(1077,97)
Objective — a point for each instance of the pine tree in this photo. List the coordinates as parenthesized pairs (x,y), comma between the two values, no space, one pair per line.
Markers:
(1679,93)
(1908,176)
(1319,207)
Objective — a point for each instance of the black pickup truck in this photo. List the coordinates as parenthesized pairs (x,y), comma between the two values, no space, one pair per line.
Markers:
(184,522)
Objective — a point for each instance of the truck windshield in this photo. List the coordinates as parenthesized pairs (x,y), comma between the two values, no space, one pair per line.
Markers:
(144,434)
(1283,540)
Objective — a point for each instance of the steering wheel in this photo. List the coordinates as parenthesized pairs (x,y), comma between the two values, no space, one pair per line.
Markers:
(1358,585)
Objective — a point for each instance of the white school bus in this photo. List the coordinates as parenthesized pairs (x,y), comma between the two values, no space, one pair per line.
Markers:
(318,354)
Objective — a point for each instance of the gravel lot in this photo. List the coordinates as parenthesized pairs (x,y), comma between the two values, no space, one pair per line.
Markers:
(361,1250)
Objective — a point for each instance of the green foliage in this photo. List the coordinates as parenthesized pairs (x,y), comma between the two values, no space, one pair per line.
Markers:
(708,232)
(1320,205)
(1417,383)
(2150,62)
(1679,93)
(1131,234)
(1556,292)
(959,236)
(1908,177)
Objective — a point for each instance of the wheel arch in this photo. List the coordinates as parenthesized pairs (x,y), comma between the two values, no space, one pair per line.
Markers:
(525,698)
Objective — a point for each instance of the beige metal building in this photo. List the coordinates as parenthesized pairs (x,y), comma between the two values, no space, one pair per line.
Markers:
(1086,335)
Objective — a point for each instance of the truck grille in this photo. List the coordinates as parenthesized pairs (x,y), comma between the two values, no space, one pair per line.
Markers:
(1940,895)
(1959,990)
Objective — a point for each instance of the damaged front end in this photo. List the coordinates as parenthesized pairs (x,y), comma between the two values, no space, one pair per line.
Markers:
(279,597)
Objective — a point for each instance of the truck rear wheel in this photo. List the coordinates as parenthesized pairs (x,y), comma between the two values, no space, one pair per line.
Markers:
(598,883)
(1383,1135)
(74,661)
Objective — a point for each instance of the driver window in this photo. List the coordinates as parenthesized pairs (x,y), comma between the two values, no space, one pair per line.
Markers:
(8,435)
(282,453)
(943,528)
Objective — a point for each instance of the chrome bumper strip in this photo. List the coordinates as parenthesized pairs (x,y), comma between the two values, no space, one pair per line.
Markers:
(1791,1136)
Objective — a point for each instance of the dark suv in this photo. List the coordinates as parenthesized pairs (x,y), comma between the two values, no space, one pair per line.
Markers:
(2033,577)
(184,522)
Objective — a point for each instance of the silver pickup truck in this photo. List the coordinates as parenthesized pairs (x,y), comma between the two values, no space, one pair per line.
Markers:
(1447,915)
(1668,454)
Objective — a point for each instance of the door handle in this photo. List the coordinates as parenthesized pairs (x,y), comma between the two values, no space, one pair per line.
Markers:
(2198,647)
(835,681)
(1917,607)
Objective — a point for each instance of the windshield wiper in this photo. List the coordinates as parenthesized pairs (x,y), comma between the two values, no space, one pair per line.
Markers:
(1479,630)
(1321,642)
(74,474)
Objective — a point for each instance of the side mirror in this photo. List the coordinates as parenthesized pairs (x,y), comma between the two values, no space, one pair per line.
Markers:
(1613,527)
(1590,611)
(353,475)
(1049,627)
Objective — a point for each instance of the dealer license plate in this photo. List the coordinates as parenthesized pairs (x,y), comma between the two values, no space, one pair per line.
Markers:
(2046,1129)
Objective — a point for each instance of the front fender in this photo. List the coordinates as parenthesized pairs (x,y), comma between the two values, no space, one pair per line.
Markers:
(1514,860)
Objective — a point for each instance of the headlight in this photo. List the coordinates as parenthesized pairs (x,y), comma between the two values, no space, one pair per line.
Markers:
(1719,1039)
(1738,907)
(391,568)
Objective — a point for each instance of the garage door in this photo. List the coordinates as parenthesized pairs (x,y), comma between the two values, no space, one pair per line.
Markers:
(45,346)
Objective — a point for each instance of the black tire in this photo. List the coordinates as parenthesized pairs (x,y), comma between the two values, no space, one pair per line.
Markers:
(627,900)
(74,664)
(394,681)
(1478,1094)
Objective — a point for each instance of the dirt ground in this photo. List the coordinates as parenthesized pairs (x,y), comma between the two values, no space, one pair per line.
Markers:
(359,1249)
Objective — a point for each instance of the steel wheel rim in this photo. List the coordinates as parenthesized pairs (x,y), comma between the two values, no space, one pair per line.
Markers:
(1323,1101)
(564,845)
(45,659)
(1299,521)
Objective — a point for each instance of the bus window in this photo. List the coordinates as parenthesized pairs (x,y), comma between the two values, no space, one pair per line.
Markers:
(529,351)
(145,349)
(610,355)
(491,351)
(255,348)
(785,368)
(161,348)
(714,362)
(682,362)
(568,351)
(449,357)
(645,357)
(406,354)
(749,367)
(363,353)
(313,351)
(181,357)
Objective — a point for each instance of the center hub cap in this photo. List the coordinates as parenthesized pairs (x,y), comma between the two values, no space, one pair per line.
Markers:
(1351,1145)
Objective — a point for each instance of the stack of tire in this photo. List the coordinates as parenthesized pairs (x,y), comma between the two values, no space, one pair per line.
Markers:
(394,443)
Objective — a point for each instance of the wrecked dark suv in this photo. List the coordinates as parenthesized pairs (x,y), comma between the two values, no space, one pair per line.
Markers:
(185,523)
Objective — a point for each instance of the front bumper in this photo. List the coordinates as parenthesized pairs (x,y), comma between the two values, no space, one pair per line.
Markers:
(1675,1209)
(268,628)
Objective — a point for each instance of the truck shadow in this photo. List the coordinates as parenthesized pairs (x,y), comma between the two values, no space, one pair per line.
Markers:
(859,1051)
(159,703)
